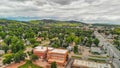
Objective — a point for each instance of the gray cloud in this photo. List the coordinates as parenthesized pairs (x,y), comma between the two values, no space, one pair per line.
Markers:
(40,3)
(63,2)
(90,1)
(86,10)
(20,0)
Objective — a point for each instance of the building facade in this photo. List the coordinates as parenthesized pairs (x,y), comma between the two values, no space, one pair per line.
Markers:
(59,56)
(41,52)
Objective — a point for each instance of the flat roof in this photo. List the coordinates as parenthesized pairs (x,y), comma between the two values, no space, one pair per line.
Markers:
(63,51)
(90,64)
(41,48)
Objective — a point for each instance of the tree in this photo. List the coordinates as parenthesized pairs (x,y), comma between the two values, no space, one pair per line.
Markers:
(2,34)
(55,45)
(77,40)
(70,38)
(96,41)
(17,46)
(7,40)
(89,42)
(19,56)
(5,47)
(8,58)
(32,40)
(35,44)
(75,49)
(53,65)
(33,57)
(116,42)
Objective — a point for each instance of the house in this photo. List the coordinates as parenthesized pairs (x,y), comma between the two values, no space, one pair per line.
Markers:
(59,56)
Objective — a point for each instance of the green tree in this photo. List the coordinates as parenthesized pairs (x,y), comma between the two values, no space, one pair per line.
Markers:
(35,44)
(5,47)
(17,45)
(55,45)
(89,42)
(2,34)
(77,40)
(116,42)
(19,56)
(96,41)
(53,65)
(8,58)
(33,57)
(70,38)
(32,40)
(75,50)
(7,40)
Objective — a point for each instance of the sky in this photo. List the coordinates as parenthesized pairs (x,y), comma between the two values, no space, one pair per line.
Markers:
(88,11)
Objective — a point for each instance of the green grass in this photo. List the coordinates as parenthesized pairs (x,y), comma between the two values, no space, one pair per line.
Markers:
(77,56)
(97,60)
(97,56)
(29,64)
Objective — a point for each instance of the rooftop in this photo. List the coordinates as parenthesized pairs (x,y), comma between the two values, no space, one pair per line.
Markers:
(41,48)
(90,64)
(63,51)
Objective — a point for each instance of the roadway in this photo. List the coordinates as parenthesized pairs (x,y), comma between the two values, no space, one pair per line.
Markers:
(69,64)
(111,50)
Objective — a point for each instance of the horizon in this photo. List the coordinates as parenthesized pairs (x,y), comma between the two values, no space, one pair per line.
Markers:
(39,18)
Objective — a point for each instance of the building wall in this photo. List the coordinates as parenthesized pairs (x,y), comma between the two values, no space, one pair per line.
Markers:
(41,55)
(57,57)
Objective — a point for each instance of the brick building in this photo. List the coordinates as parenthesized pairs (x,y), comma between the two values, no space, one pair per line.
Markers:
(59,56)
(41,52)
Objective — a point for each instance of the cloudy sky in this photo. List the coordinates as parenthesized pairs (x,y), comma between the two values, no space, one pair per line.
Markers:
(89,11)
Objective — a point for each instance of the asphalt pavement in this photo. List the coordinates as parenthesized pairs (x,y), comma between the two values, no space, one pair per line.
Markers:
(111,50)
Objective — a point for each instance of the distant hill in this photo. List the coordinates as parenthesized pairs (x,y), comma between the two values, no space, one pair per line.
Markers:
(104,24)
(58,21)
(45,22)
(28,19)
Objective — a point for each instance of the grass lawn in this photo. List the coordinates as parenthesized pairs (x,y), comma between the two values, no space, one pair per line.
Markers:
(97,56)
(29,64)
(77,56)
(97,60)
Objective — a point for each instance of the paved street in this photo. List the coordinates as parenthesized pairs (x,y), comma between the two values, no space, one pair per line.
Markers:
(111,50)
(69,64)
